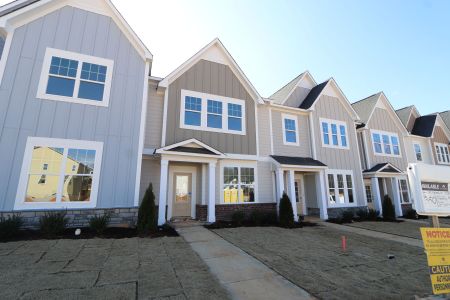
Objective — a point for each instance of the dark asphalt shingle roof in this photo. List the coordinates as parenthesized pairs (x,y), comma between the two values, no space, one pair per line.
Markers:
(424,125)
(378,167)
(193,150)
(298,161)
(313,95)
(14,7)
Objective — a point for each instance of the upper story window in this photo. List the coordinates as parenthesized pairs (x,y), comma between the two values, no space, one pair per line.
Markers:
(418,152)
(290,130)
(385,143)
(442,153)
(74,77)
(207,112)
(2,44)
(334,134)
(340,187)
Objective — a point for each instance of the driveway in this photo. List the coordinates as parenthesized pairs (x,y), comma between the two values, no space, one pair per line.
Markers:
(134,268)
(312,258)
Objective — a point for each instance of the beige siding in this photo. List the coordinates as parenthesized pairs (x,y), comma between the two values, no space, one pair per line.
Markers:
(264,130)
(150,173)
(265,182)
(304,147)
(343,159)
(217,79)
(410,124)
(297,97)
(438,137)
(381,121)
(154,119)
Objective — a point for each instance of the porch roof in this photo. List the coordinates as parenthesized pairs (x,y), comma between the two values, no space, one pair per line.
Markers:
(298,161)
(383,168)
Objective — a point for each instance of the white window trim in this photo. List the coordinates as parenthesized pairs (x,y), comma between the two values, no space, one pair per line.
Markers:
(204,112)
(330,138)
(420,151)
(401,191)
(20,203)
(239,165)
(283,125)
(441,146)
(50,52)
(336,172)
(390,134)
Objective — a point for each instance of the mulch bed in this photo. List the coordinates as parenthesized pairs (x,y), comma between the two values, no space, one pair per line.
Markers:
(230,224)
(87,233)
(340,221)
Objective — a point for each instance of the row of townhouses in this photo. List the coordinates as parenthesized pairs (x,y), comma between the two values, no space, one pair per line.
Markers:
(85,127)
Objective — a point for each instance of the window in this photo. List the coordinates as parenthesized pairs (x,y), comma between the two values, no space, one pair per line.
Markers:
(369,195)
(2,44)
(74,77)
(385,143)
(404,193)
(290,130)
(212,113)
(340,188)
(442,153)
(45,167)
(418,152)
(59,185)
(238,185)
(334,134)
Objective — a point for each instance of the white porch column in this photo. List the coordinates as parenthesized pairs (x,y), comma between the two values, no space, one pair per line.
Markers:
(212,192)
(291,184)
(280,186)
(163,192)
(322,195)
(376,195)
(397,200)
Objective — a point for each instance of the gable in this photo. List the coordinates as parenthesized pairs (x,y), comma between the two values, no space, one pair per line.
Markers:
(391,124)
(287,94)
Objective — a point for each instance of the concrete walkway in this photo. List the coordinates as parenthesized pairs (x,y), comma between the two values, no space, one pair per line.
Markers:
(241,274)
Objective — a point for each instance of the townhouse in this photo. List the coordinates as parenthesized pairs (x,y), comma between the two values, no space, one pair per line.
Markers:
(85,127)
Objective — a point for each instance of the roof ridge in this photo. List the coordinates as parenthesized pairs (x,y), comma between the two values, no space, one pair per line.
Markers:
(287,83)
(367,97)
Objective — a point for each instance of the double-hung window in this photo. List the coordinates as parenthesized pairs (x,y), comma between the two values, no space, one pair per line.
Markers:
(385,143)
(418,152)
(404,193)
(340,187)
(74,77)
(442,153)
(290,130)
(205,112)
(334,134)
(69,178)
(238,184)
(368,190)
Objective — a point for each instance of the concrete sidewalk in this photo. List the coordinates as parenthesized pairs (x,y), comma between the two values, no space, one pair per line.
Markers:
(241,274)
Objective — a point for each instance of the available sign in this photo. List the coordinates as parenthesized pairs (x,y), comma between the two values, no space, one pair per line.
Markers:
(435,195)
(437,247)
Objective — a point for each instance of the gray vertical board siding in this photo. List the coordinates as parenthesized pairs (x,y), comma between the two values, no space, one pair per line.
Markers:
(362,154)
(279,148)
(296,98)
(217,79)
(150,173)
(154,119)
(264,130)
(381,120)
(438,137)
(310,191)
(410,124)
(342,159)
(22,115)
(265,183)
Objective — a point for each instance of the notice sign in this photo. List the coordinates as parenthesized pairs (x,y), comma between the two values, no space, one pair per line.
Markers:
(437,247)
(436,196)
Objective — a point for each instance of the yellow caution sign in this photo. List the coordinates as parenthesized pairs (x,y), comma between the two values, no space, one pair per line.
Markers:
(437,247)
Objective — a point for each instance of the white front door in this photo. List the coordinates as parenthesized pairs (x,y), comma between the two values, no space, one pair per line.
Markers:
(299,194)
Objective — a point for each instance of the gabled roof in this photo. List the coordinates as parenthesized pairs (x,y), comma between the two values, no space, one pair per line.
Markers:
(313,95)
(190,146)
(404,113)
(281,95)
(445,115)
(20,12)
(383,168)
(365,107)
(202,54)
(297,161)
(424,125)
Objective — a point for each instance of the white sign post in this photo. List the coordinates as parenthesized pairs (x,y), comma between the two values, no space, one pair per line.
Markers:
(430,189)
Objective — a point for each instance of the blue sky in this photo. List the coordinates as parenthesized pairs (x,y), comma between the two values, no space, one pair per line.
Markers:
(400,47)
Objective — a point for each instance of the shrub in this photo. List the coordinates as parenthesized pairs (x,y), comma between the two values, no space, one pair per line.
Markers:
(388,209)
(270,218)
(347,216)
(238,217)
(363,214)
(10,227)
(372,214)
(410,214)
(286,215)
(147,215)
(99,223)
(53,223)
(257,217)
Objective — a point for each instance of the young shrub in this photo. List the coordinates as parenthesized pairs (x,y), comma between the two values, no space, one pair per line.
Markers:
(286,214)
(99,223)
(9,227)
(388,209)
(372,214)
(347,216)
(147,216)
(238,217)
(410,214)
(53,223)
(363,214)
